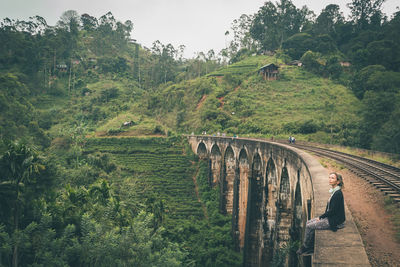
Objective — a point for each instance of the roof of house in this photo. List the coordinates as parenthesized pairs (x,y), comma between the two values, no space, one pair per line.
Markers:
(268,66)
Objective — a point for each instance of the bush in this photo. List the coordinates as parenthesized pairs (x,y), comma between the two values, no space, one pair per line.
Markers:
(324,44)
(158,130)
(359,82)
(232,80)
(298,44)
(108,94)
(333,67)
(114,131)
(113,65)
(102,161)
(308,127)
(290,127)
(311,62)
(85,91)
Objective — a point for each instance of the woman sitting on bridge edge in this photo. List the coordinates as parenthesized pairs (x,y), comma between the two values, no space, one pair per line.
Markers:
(333,218)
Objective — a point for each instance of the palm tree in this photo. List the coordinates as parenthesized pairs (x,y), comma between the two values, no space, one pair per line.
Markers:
(18,166)
(100,191)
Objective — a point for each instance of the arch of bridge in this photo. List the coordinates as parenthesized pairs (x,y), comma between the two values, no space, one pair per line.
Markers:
(280,157)
(263,207)
(304,196)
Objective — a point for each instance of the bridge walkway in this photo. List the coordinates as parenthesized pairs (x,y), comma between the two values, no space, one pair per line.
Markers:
(343,247)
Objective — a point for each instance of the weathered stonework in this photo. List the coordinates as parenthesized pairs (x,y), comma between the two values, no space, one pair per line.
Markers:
(269,189)
(243,193)
(215,165)
(258,181)
(228,180)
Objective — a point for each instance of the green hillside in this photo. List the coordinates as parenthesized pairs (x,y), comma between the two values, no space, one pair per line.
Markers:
(163,176)
(236,99)
(158,168)
(94,170)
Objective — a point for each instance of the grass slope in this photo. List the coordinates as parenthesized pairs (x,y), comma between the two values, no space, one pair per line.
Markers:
(157,167)
(236,99)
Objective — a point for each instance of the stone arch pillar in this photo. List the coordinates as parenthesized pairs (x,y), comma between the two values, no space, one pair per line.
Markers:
(298,214)
(243,189)
(216,163)
(254,243)
(271,196)
(297,222)
(284,218)
(227,181)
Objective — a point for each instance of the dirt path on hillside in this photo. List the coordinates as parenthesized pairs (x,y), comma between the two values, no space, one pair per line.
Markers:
(221,99)
(221,102)
(366,204)
(203,98)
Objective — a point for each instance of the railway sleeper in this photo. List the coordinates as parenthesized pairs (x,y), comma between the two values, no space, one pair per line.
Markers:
(383,186)
(377,184)
(370,180)
(390,194)
(387,189)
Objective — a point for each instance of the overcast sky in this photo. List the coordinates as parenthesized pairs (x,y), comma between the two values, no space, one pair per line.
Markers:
(198,24)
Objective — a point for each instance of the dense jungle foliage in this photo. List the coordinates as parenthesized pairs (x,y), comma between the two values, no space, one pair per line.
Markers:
(92,171)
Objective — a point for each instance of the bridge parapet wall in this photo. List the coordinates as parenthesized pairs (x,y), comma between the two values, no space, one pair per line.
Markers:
(280,189)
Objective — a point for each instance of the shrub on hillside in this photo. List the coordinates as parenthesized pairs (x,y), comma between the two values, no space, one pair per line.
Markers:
(324,44)
(232,80)
(158,130)
(108,94)
(101,161)
(290,127)
(114,131)
(112,65)
(311,62)
(298,44)
(333,67)
(308,127)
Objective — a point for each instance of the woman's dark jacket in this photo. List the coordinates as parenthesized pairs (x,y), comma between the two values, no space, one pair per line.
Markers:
(335,210)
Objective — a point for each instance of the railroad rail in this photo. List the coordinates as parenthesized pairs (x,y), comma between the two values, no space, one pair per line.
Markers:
(384,177)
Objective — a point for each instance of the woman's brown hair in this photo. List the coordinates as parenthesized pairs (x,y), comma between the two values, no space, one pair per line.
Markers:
(339,178)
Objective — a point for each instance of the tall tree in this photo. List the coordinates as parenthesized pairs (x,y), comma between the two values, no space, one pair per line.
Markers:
(273,24)
(365,11)
(264,28)
(241,33)
(69,20)
(89,23)
(164,69)
(328,20)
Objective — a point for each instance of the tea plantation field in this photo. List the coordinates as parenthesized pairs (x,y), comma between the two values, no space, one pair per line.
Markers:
(158,167)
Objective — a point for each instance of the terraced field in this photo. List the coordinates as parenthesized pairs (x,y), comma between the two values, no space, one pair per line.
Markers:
(246,66)
(159,168)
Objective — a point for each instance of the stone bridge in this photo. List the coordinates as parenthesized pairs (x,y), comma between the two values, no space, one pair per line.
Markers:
(271,190)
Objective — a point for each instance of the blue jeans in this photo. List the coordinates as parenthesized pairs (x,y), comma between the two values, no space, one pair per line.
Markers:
(311,226)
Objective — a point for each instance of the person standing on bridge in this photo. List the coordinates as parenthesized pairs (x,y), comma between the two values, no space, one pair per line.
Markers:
(333,218)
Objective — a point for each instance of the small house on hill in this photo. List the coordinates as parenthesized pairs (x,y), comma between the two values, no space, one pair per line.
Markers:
(345,64)
(297,63)
(62,67)
(269,72)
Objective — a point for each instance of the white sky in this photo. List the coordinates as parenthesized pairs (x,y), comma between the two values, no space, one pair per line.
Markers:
(198,24)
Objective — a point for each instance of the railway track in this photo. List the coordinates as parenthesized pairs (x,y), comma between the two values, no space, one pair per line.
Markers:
(384,177)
